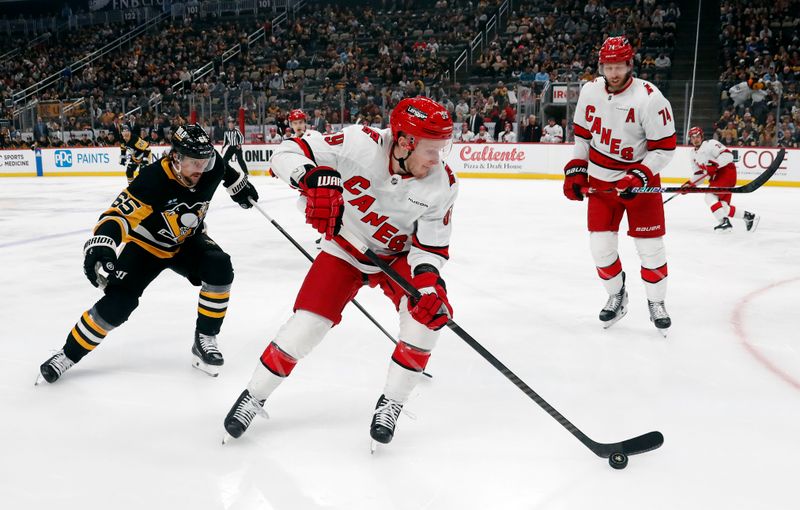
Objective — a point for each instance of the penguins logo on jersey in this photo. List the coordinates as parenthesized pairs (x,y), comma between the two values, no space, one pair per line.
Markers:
(182,220)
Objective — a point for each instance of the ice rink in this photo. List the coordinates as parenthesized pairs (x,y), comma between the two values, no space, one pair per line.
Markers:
(134,426)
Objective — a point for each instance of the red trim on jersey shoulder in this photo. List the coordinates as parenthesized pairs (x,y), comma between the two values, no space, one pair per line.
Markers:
(410,357)
(668,143)
(442,251)
(600,159)
(654,275)
(581,131)
(450,175)
(305,148)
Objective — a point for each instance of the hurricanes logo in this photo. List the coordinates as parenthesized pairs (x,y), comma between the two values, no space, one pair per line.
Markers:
(182,221)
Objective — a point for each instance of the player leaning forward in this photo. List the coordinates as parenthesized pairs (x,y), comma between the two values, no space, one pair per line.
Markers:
(160,217)
(713,161)
(624,136)
(392,189)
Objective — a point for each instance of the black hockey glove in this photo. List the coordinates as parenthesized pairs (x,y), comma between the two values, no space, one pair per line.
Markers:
(99,252)
(242,191)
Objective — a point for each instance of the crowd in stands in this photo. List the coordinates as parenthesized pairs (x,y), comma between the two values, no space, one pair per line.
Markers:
(352,62)
(760,71)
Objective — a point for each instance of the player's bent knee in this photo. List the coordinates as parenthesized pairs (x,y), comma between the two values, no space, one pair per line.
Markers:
(116,306)
(603,246)
(216,268)
(301,333)
(414,333)
(651,251)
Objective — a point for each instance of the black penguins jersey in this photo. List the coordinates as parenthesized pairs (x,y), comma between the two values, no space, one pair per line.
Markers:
(137,149)
(158,212)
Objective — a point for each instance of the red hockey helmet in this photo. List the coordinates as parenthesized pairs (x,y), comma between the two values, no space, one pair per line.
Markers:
(421,117)
(297,114)
(616,49)
(696,131)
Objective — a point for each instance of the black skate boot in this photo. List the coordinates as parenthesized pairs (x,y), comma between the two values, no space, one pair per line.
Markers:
(616,306)
(724,226)
(383,421)
(205,354)
(751,221)
(659,316)
(52,369)
(241,415)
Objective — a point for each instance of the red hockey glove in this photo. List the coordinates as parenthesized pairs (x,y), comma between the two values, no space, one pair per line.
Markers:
(322,187)
(637,176)
(710,168)
(432,309)
(575,178)
(686,185)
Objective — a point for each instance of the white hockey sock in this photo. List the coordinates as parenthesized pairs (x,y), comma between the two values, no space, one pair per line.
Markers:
(400,382)
(606,258)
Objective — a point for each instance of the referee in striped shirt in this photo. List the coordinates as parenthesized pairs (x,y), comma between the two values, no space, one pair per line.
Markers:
(232,144)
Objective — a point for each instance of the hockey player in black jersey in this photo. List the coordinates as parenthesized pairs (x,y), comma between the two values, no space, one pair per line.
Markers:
(133,152)
(160,218)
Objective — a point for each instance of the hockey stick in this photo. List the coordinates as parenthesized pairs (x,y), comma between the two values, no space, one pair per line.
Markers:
(691,183)
(616,452)
(745,188)
(311,259)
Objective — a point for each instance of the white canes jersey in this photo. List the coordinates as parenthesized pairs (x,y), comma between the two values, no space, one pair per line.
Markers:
(390,213)
(710,152)
(616,129)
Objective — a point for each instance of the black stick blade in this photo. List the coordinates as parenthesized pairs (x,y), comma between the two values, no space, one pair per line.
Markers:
(633,446)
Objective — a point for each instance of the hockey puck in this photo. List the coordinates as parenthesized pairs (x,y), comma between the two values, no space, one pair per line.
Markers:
(618,460)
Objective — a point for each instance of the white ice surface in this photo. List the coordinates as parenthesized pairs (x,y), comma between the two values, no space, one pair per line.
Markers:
(133,426)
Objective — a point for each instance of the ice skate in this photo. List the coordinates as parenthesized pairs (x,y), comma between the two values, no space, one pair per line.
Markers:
(52,369)
(659,316)
(241,415)
(724,226)
(616,307)
(383,421)
(205,354)
(751,221)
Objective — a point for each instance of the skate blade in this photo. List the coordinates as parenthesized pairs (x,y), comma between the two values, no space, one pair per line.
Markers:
(663,332)
(39,379)
(755,224)
(373,447)
(211,370)
(227,437)
(616,319)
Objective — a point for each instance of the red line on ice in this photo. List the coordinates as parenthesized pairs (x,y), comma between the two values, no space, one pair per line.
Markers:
(737,319)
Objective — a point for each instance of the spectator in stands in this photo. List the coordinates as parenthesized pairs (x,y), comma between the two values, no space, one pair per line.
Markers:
(747,139)
(218,131)
(483,136)
(464,134)
(475,120)
(531,131)
(40,130)
(273,136)
(507,135)
(461,110)
(318,122)
(552,132)
(663,62)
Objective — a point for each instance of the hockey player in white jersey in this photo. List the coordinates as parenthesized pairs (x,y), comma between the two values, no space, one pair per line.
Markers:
(297,121)
(713,161)
(392,189)
(624,136)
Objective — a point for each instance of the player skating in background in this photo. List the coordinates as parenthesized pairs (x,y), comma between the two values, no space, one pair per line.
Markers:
(133,152)
(160,218)
(713,161)
(392,189)
(624,136)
